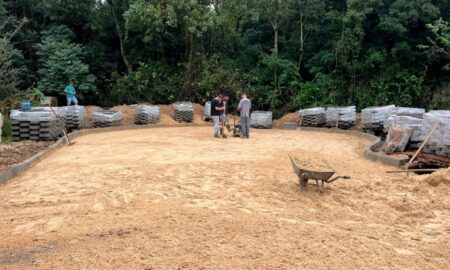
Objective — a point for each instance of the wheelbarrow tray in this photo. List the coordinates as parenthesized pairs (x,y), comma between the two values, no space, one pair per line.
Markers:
(320,177)
(316,175)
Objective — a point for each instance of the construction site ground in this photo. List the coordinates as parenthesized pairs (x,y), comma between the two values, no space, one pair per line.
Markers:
(177,198)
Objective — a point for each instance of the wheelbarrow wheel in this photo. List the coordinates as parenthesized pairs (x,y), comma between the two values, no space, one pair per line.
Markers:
(304,180)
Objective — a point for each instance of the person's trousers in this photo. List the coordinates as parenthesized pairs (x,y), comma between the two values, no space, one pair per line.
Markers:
(216,120)
(245,125)
(72,99)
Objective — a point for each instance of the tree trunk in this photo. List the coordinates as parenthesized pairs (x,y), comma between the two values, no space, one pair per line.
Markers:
(302,41)
(122,37)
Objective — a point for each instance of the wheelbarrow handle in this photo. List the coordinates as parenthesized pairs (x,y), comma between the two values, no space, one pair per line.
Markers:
(336,178)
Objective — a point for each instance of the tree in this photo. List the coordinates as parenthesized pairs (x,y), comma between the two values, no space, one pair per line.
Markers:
(61,61)
(11,69)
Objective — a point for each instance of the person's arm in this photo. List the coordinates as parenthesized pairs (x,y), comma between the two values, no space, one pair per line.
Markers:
(239,107)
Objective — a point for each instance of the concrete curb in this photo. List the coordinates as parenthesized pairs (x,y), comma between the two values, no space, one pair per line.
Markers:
(19,168)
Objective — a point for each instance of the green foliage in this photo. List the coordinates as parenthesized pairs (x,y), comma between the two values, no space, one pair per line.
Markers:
(148,83)
(61,62)
(314,93)
(286,54)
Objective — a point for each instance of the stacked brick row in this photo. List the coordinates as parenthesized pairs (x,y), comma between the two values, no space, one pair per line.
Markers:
(313,117)
(341,117)
(107,118)
(373,118)
(74,117)
(261,119)
(146,114)
(34,125)
(183,111)
(439,143)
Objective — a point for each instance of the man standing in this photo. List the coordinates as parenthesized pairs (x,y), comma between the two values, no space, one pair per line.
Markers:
(244,107)
(224,117)
(217,108)
(70,94)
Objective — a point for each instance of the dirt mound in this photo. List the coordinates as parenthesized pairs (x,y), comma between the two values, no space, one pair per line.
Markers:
(198,113)
(441,176)
(128,113)
(291,117)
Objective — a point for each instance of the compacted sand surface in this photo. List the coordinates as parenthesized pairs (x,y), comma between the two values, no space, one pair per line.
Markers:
(176,198)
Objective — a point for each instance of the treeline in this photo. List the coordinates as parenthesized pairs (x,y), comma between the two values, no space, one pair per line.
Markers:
(286,54)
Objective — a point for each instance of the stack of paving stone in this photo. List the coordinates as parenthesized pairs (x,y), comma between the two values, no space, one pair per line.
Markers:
(344,117)
(103,119)
(413,112)
(439,143)
(313,117)
(411,122)
(74,117)
(183,111)
(146,114)
(34,125)
(207,111)
(373,118)
(260,119)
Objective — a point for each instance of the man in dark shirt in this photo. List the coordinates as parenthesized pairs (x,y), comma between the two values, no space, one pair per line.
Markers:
(217,108)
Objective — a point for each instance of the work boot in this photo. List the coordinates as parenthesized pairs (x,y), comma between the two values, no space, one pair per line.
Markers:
(216,136)
(224,136)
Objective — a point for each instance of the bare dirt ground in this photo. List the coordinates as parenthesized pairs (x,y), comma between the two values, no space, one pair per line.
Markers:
(175,198)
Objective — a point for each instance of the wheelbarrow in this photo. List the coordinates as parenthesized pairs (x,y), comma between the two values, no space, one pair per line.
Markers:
(321,178)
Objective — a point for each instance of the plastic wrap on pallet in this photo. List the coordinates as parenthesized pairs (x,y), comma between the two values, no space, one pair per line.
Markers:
(313,117)
(261,119)
(33,115)
(34,125)
(147,114)
(183,106)
(183,111)
(439,142)
(107,116)
(207,110)
(413,112)
(312,111)
(377,115)
(341,113)
(414,123)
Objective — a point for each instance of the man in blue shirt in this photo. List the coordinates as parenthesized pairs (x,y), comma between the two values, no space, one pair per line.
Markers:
(70,94)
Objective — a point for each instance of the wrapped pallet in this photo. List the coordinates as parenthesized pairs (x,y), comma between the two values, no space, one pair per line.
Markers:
(108,118)
(34,125)
(74,117)
(439,143)
(412,112)
(373,118)
(342,117)
(261,119)
(312,117)
(183,111)
(146,114)
(207,111)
